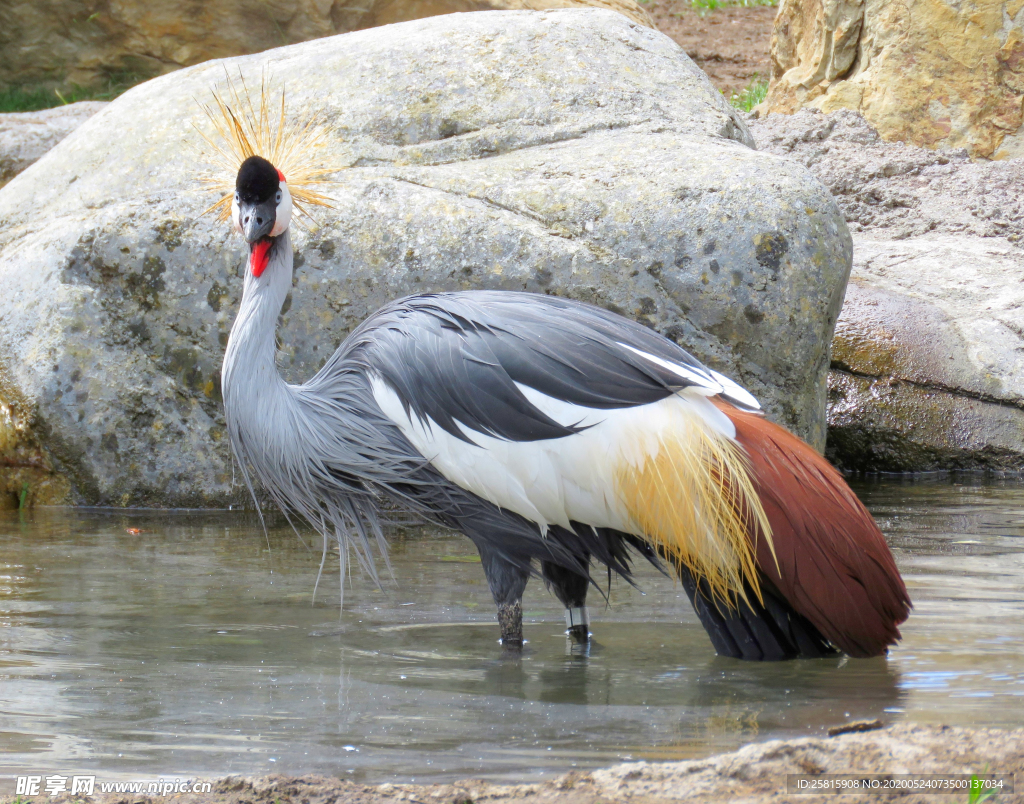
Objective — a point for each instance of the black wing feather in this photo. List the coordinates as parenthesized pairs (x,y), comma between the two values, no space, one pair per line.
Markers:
(456,357)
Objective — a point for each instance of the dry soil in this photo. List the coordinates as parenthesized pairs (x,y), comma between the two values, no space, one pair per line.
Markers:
(730,44)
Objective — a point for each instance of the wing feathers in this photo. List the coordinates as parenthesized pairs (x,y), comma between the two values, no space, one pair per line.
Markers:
(460,356)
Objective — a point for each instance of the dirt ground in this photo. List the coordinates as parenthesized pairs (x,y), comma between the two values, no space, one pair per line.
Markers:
(730,44)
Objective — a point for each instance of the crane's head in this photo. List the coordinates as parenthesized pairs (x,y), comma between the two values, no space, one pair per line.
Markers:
(263,146)
(261,208)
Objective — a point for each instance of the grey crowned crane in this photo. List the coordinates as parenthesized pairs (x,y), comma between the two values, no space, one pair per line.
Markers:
(555,435)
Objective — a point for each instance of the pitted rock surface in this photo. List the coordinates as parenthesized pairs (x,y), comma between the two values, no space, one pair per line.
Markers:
(569,152)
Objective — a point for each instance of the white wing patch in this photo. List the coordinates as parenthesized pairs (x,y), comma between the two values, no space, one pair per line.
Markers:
(701,378)
(711,381)
(736,391)
(559,480)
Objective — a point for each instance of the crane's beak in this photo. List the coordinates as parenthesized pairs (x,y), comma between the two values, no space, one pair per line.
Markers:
(257,220)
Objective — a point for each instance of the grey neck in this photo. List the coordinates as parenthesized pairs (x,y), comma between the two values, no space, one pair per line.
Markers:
(255,395)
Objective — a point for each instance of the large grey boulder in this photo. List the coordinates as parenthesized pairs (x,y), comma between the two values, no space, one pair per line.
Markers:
(928,358)
(569,152)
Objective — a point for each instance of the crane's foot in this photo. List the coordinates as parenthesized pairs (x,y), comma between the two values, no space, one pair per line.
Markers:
(577,624)
(510,618)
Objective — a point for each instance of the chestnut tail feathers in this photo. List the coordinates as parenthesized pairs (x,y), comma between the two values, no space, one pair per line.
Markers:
(830,561)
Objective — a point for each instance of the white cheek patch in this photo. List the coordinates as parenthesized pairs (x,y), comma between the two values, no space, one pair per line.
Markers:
(284,212)
(235,222)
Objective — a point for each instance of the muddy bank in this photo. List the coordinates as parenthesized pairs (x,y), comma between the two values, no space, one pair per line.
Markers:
(754,774)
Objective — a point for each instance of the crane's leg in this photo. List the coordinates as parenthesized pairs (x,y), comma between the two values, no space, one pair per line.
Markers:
(571,588)
(507,581)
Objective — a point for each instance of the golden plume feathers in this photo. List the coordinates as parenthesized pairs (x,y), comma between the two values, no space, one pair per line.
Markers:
(244,128)
(693,498)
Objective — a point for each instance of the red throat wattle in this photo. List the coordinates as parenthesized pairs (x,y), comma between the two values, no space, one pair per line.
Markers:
(259,255)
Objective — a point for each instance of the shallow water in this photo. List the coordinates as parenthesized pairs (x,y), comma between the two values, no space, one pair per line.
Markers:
(187,644)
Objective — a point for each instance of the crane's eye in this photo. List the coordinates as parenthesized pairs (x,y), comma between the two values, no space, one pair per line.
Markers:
(277,200)
(238,198)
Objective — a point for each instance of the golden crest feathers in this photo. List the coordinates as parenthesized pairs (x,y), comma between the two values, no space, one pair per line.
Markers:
(242,127)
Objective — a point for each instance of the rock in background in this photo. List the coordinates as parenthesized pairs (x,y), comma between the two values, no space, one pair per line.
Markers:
(26,136)
(933,73)
(568,152)
(928,358)
(82,42)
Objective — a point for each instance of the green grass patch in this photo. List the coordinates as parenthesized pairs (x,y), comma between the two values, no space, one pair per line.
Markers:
(23,100)
(755,92)
(978,792)
(33,99)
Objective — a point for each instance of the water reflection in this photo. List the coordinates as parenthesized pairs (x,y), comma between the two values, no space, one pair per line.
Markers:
(136,643)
